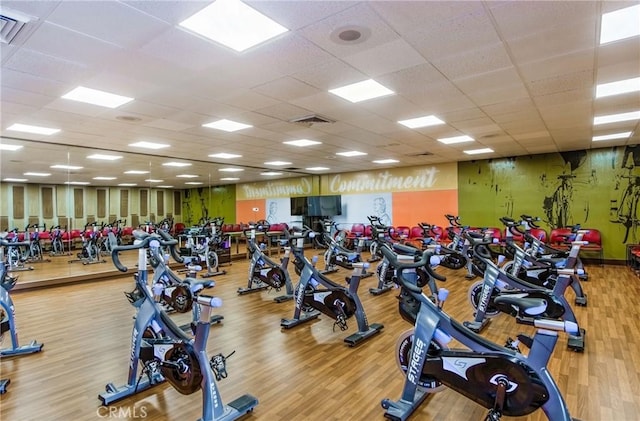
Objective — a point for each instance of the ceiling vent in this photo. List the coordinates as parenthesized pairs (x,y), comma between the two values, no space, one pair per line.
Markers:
(421,154)
(10,24)
(310,120)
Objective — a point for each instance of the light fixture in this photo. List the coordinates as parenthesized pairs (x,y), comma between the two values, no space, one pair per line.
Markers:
(153,180)
(104,157)
(38,174)
(302,142)
(224,155)
(618,87)
(614,118)
(16,180)
(428,120)
(229,179)
(127,184)
(317,168)
(233,24)
(148,145)
(32,129)
(104,178)
(361,91)
(187,176)
(351,153)
(620,24)
(164,187)
(194,183)
(136,172)
(231,169)
(385,161)
(77,183)
(478,151)
(277,163)
(271,173)
(5,147)
(227,125)
(609,136)
(66,167)
(96,97)
(176,164)
(455,139)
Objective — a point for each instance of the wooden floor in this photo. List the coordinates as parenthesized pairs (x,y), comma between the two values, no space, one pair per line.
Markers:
(306,373)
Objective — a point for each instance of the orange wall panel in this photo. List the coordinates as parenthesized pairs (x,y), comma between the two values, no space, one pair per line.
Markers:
(245,212)
(409,208)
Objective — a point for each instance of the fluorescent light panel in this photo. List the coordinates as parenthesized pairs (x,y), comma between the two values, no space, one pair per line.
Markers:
(32,129)
(277,163)
(153,180)
(619,87)
(620,24)
(230,169)
(414,123)
(455,139)
(229,179)
(16,180)
(104,157)
(194,183)
(136,172)
(317,168)
(176,164)
(351,153)
(227,125)
(478,151)
(187,176)
(385,161)
(77,183)
(164,187)
(148,145)
(609,136)
(96,97)
(271,173)
(38,174)
(233,24)
(362,91)
(5,147)
(104,178)
(127,184)
(66,167)
(224,155)
(302,142)
(614,118)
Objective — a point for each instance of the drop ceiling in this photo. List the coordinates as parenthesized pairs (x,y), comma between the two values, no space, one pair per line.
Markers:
(517,76)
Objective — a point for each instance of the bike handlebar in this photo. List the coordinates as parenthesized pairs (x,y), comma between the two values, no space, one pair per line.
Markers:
(422,262)
(145,240)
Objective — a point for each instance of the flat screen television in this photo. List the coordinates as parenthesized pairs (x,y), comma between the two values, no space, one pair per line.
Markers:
(324,205)
(299,206)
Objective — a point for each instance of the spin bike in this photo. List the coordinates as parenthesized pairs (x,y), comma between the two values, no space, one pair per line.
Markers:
(316,293)
(14,251)
(336,254)
(501,379)
(90,253)
(7,314)
(497,283)
(34,252)
(57,245)
(263,271)
(164,351)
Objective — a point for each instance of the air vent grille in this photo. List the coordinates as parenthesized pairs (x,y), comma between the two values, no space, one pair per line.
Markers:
(9,28)
(311,119)
(421,154)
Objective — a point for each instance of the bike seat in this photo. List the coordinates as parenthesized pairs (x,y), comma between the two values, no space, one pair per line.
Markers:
(527,305)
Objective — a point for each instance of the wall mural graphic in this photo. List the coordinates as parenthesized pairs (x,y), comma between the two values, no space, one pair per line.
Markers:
(560,208)
(624,204)
(598,189)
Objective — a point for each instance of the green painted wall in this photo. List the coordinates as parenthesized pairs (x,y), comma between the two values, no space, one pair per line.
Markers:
(209,202)
(580,187)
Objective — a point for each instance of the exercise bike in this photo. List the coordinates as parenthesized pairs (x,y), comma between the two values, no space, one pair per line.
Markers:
(499,284)
(336,254)
(57,244)
(163,351)
(15,251)
(263,271)
(315,294)
(499,378)
(34,250)
(7,314)
(90,253)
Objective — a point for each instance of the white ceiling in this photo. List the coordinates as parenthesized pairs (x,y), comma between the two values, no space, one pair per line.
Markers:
(518,76)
